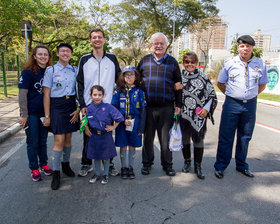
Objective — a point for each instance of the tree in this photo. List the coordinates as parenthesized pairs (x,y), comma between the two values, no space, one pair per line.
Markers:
(138,20)
(258,52)
(13,12)
(128,56)
(215,70)
(204,31)
(181,54)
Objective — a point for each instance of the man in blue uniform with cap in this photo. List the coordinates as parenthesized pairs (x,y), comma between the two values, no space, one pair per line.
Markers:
(241,79)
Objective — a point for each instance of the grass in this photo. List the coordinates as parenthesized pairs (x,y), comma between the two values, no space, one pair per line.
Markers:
(268,96)
(11,91)
(10,75)
(263,96)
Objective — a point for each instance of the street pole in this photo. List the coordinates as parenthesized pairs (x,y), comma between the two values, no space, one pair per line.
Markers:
(18,70)
(26,40)
(4,75)
(173,40)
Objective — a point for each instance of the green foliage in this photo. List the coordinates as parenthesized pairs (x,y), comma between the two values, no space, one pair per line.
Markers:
(138,20)
(258,52)
(181,54)
(13,12)
(129,56)
(215,70)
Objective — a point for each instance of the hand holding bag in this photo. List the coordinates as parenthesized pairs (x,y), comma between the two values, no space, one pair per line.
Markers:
(175,136)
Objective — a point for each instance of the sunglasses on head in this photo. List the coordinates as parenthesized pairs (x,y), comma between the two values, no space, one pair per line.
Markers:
(190,62)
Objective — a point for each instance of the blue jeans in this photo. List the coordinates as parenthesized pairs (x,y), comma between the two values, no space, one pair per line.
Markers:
(36,141)
(240,117)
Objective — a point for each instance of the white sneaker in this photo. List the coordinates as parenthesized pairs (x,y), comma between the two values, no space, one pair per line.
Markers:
(85,169)
(105,179)
(94,179)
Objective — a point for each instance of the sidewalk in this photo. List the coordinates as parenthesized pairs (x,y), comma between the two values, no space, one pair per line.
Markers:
(9,113)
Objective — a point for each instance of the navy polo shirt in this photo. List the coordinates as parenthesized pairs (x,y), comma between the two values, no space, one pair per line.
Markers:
(33,83)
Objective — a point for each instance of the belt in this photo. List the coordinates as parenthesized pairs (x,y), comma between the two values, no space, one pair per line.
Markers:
(65,97)
(243,101)
(97,132)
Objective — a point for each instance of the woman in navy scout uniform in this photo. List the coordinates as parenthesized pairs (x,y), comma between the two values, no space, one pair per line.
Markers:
(31,110)
(103,118)
(61,112)
(130,101)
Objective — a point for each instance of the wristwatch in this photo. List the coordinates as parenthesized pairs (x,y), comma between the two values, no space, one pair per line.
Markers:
(47,116)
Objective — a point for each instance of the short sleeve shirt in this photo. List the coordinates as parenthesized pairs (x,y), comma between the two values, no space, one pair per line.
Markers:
(33,83)
(233,74)
(61,80)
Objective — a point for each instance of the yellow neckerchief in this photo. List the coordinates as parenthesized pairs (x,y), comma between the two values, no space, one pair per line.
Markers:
(127,106)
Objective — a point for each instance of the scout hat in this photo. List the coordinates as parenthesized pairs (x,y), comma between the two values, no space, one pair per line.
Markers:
(246,39)
(128,68)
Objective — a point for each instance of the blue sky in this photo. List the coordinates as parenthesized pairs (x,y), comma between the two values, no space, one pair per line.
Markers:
(246,16)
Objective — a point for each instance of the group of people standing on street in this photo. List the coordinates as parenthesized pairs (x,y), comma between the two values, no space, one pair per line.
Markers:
(134,101)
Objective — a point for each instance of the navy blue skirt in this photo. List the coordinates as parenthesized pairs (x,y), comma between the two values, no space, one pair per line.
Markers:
(60,110)
(128,138)
(100,146)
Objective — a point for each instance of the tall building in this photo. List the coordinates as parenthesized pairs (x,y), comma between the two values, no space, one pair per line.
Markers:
(262,40)
(177,46)
(212,37)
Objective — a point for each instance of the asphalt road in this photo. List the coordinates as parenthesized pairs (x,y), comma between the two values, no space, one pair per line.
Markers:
(155,198)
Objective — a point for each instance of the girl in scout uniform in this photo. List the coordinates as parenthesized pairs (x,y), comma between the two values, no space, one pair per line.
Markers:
(102,118)
(61,112)
(129,99)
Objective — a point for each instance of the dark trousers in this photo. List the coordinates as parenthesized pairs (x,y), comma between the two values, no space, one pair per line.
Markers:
(158,119)
(36,142)
(188,134)
(240,116)
(85,160)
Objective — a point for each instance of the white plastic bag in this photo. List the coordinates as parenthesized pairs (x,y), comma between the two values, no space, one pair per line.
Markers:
(175,137)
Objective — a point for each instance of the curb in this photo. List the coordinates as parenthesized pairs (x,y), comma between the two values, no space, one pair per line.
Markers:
(9,132)
(269,102)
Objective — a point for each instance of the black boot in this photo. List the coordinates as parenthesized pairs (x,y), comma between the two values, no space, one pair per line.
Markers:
(131,174)
(55,180)
(197,170)
(186,150)
(198,154)
(124,173)
(187,166)
(66,169)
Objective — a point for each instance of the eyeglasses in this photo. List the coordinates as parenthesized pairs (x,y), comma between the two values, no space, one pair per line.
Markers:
(129,75)
(159,44)
(65,51)
(190,62)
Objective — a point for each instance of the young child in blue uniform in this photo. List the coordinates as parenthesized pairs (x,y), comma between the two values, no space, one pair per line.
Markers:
(130,101)
(103,118)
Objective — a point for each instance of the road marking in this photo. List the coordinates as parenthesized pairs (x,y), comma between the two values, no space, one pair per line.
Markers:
(268,127)
(11,151)
(277,130)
